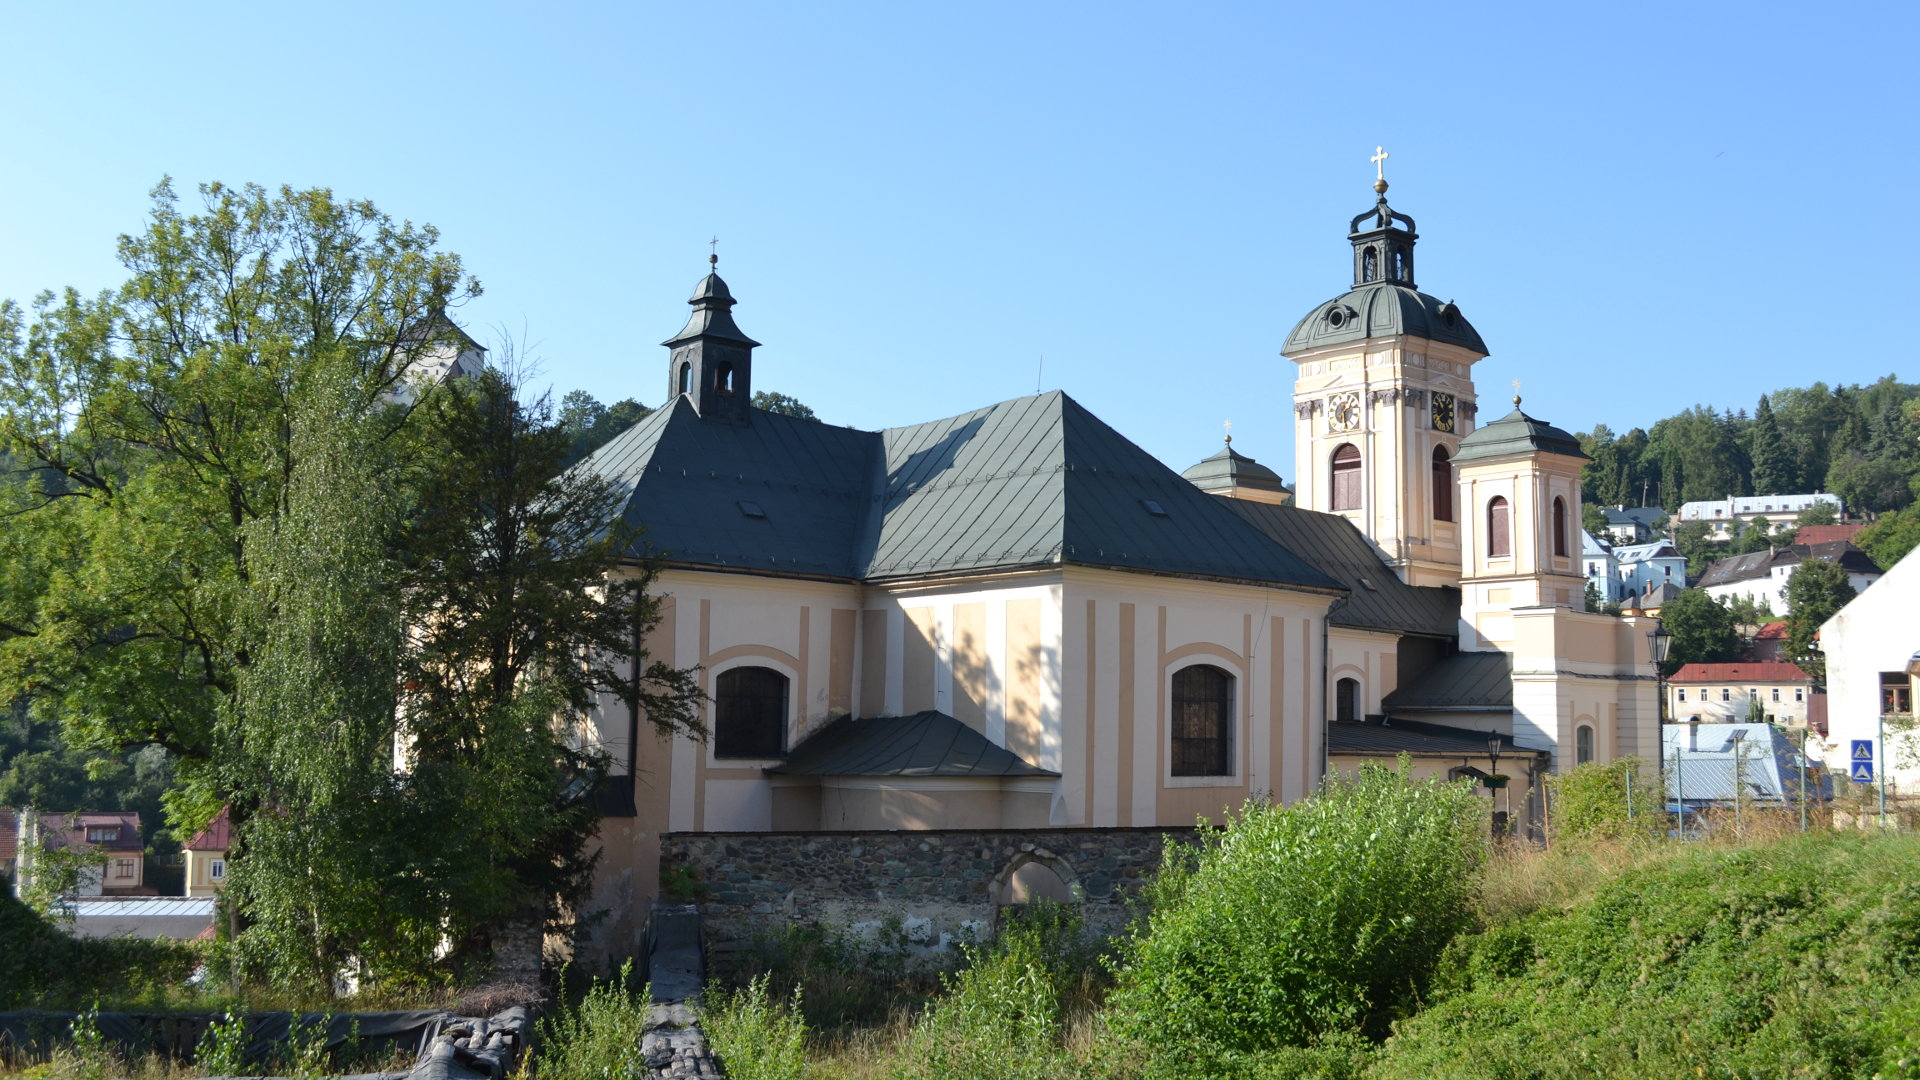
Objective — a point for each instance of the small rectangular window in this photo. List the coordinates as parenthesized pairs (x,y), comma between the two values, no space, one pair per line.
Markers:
(123,868)
(1683,695)
(751,509)
(1798,694)
(1776,693)
(1726,694)
(217,869)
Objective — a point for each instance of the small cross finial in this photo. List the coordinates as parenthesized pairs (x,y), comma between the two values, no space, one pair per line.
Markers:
(713,256)
(1379,160)
(1516,393)
(1229,433)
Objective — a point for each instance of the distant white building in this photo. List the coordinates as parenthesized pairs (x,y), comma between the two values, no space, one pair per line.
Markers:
(1779,510)
(1643,568)
(454,355)
(1762,575)
(1633,524)
(1601,567)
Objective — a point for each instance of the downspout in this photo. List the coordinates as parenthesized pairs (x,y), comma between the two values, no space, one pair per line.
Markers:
(1326,676)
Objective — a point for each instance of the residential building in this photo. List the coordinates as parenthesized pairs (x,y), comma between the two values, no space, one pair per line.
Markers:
(1769,642)
(1726,693)
(206,857)
(1716,766)
(115,835)
(1644,567)
(1601,566)
(1872,649)
(1015,619)
(1727,517)
(1634,524)
(1761,576)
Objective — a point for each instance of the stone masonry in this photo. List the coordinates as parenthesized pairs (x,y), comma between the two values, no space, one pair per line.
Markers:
(935,887)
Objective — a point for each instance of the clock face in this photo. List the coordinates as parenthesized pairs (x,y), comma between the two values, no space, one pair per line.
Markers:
(1343,411)
(1442,412)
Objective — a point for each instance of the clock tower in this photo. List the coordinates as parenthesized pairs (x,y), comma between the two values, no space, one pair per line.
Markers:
(1383,396)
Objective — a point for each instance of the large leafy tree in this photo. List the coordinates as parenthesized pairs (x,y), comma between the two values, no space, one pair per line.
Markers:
(1703,630)
(1889,539)
(1815,591)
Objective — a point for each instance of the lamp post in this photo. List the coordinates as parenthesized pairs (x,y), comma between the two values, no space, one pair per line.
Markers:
(1659,644)
(1493,754)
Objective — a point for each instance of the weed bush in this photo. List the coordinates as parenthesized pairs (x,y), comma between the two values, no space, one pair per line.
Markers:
(1592,802)
(597,1038)
(1000,1017)
(755,1036)
(41,966)
(1325,916)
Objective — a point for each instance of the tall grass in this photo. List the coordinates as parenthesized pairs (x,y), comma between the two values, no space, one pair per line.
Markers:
(596,1038)
(756,1036)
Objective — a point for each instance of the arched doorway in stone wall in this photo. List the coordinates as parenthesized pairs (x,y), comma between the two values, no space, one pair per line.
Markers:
(1035,875)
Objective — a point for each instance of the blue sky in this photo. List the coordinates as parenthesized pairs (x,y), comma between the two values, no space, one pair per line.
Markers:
(1640,206)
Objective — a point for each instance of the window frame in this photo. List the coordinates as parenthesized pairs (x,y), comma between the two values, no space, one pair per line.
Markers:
(1584,739)
(1499,519)
(1345,478)
(1443,484)
(1229,735)
(1559,527)
(717,723)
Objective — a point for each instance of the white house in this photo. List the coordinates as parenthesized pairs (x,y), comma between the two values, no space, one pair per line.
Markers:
(1762,575)
(1643,568)
(1873,669)
(1601,565)
(1721,515)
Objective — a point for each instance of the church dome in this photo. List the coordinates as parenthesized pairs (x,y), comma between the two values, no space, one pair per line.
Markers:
(1516,433)
(1230,469)
(1383,309)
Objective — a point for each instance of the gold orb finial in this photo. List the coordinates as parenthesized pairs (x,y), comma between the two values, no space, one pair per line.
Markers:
(1516,393)
(1229,433)
(713,258)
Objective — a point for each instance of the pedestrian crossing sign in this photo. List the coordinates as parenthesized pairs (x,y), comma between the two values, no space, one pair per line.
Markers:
(1863,749)
(1862,772)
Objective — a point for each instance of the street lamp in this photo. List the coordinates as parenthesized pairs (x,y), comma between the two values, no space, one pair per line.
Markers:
(1659,644)
(1493,754)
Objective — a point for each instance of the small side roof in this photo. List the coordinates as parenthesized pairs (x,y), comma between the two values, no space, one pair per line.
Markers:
(214,837)
(1390,736)
(1463,682)
(923,744)
(1517,433)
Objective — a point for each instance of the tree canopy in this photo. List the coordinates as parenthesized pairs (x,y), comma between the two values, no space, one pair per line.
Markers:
(1815,591)
(1703,631)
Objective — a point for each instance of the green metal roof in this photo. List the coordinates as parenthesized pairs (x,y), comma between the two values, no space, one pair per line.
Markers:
(1378,600)
(1392,736)
(924,744)
(1383,310)
(1231,469)
(1474,681)
(1514,434)
(1036,481)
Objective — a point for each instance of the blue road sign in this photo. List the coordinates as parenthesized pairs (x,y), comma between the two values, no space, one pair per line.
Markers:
(1861,773)
(1863,749)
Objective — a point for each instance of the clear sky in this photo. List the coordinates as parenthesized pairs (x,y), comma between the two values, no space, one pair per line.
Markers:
(1640,206)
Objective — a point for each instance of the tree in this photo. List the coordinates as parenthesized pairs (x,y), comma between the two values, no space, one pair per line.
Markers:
(1691,540)
(1819,512)
(1594,521)
(1815,591)
(590,425)
(1889,539)
(1756,535)
(782,404)
(1774,471)
(1703,631)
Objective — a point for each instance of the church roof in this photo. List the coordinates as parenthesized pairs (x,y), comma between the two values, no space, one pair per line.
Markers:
(1476,681)
(1036,481)
(1516,433)
(924,744)
(1394,736)
(1379,600)
(1382,309)
(1230,469)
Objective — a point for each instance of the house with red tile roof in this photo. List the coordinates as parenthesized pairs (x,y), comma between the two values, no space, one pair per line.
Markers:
(114,833)
(207,857)
(1769,642)
(1726,693)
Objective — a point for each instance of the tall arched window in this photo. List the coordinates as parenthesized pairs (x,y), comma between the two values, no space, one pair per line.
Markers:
(1346,477)
(1582,745)
(750,713)
(1369,266)
(1346,700)
(723,377)
(1399,264)
(686,378)
(1499,536)
(1202,721)
(1442,485)
(1559,526)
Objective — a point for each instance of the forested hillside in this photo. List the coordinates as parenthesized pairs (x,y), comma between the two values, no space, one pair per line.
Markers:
(1859,442)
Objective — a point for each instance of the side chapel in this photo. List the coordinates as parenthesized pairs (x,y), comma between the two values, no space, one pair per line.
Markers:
(1014,618)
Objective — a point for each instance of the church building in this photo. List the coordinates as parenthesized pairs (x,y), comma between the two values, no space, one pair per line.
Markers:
(1016,619)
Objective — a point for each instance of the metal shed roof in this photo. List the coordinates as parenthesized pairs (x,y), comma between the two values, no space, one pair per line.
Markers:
(924,744)
(1464,681)
(1379,599)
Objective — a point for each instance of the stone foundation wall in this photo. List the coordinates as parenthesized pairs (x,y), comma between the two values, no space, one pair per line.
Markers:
(933,888)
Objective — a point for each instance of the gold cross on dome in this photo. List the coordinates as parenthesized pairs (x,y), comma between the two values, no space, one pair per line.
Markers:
(1229,433)
(1516,391)
(1379,160)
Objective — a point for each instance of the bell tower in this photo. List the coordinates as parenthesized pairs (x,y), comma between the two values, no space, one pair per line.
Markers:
(1383,396)
(711,360)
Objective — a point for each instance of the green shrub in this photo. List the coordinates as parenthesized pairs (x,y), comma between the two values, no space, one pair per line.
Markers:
(1000,1018)
(223,1048)
(1323,917)
(43,967)
(755,1036)
(596,1038)
(1614,800)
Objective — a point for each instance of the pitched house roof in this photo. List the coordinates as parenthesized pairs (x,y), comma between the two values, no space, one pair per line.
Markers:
(924,744)
(214,837)
(1633,515)
(1762,671)
(1773,631)
(1759,564)
(1378,600)
(1033,482)
(1464,681)
(1658,549)
(1822,534)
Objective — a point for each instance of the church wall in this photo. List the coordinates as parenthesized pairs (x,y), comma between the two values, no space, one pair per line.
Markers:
(1128,634)
(1574,668)
(1370,658)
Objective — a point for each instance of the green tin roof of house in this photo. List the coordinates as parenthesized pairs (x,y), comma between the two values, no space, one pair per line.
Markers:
(1033,482)
(1463,681)
(1396,736)
(1378,599)
(1516,433)
(924,744)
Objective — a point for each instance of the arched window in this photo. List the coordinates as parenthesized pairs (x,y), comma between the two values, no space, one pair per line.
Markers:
(750,713)
(686,378)
(1202,720)
(1399,264)
(1346,477)
(1442,485)
(1499,538)
(1582,745)
(1559,526)
(723,377)
(1346,700)
(1369,266)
